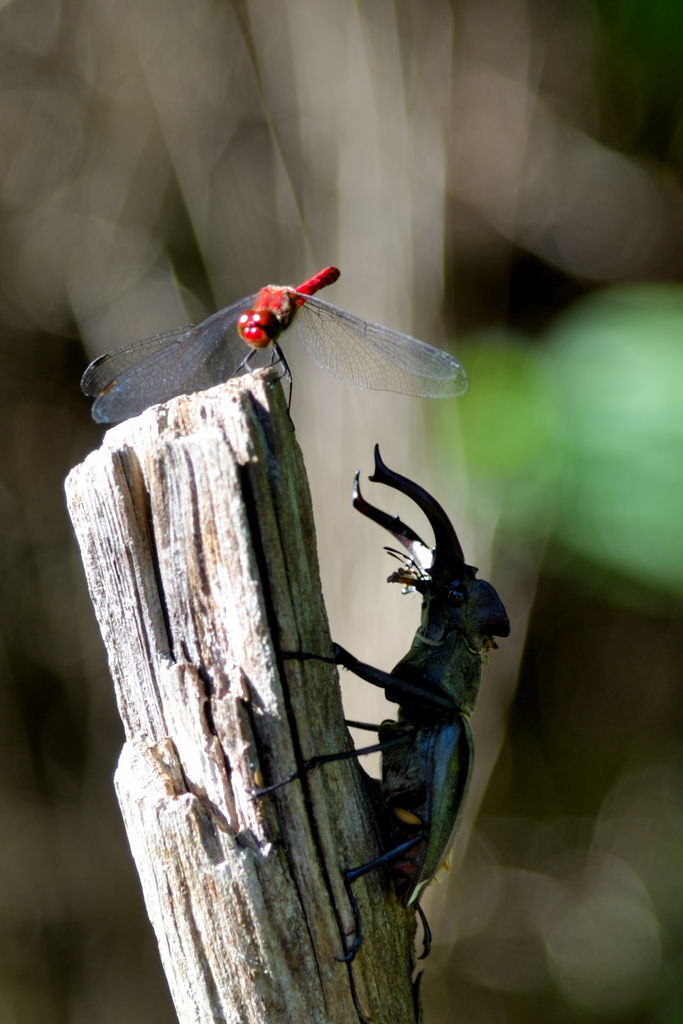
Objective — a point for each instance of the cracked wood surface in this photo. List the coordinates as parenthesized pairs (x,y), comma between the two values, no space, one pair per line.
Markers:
(196,533)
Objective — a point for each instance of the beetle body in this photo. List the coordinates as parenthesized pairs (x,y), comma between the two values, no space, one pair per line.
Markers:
(424,784)
(428,752)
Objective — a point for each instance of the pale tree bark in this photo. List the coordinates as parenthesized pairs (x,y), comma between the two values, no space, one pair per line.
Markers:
(197,538)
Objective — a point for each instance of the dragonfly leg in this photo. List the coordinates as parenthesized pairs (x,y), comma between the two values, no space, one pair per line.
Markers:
(245,362)
(279,357)
(426,933)
(355,873)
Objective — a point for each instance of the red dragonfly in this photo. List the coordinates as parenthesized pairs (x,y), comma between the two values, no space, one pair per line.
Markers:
(245,335)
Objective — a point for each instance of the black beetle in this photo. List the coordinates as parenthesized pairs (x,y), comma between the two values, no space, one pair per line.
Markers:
(427,753)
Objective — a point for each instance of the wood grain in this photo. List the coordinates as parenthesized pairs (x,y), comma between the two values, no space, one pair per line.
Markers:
(196,532)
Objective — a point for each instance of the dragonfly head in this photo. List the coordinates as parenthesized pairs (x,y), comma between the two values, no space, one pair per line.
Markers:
(258,327)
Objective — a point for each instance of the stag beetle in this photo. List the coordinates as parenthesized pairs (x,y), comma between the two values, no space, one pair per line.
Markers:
(427,753)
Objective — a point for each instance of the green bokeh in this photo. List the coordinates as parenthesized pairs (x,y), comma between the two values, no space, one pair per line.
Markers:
(582,435)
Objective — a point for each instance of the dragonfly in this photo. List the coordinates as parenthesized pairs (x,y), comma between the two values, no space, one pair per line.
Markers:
(245,336)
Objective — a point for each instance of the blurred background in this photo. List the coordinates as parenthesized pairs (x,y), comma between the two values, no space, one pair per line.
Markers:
(500,178)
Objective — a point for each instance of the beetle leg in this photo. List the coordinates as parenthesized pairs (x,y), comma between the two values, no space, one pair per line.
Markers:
(327,759)
(361,725)
(397,690)
(427,934)
(305,656)
(264,790)
(355,873)
(374,749)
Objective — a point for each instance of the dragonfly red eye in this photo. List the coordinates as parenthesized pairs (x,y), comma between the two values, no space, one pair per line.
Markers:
(258,327)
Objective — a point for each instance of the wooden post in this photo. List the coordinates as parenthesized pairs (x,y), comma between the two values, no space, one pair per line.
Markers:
(196,532)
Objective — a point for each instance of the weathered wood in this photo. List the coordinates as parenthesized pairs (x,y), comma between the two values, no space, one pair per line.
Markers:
(197,537)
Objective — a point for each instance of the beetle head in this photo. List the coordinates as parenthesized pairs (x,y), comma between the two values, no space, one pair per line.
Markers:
(473,608)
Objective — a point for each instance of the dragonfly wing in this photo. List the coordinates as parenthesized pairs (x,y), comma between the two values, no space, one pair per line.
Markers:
(186,359)
(114,364)
(376,357)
